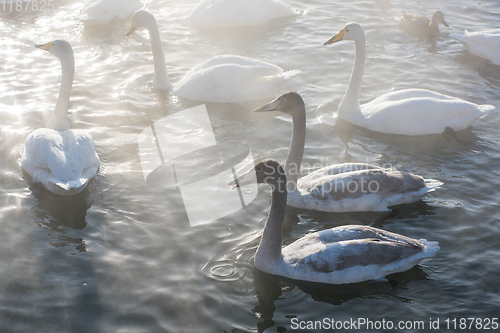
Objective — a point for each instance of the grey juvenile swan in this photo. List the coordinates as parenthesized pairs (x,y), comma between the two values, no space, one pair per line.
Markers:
(340,255)
(344,187)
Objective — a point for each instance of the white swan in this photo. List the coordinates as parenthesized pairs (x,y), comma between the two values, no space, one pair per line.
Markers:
(340,255)
(227,13)
(222,79)
(103,11)
(63,160)
(418,25)
(484,44)
(348,187)
(406,112)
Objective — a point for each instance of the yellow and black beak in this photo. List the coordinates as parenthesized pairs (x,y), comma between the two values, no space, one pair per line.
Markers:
(132,29)
(338,37)
(45,47)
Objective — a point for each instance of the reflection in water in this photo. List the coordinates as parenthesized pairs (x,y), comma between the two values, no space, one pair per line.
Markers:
(270,288)
(57,213)
(338,294)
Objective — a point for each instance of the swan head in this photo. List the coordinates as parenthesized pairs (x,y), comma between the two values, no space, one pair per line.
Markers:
(269,171)
(59,48)
(290,103)
(351,31)
(439,18)
(142,19)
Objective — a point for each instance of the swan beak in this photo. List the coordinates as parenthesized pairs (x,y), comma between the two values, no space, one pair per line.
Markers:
(445,24)
(45,47)
(132,29)
(273,106)
(245,179)
(338,37)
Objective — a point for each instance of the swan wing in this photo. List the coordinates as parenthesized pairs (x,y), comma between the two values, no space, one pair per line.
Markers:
(229,79)
(223,13)
(66,160)
(362,190)
(484,44)
(420,112)
(358,183)
(263,67)
(103,11)
(353,253)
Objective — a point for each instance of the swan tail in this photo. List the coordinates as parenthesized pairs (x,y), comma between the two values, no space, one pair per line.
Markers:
(457,36)
(288,75)
(432,184)
(68,188)
(486,109)
(429,248)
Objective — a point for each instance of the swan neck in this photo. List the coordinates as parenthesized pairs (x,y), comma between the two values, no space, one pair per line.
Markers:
(59,120)
(160,66)
(351,98)
(296,150)
(269,250)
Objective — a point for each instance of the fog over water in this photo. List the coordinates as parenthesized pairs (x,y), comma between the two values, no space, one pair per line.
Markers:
(122,256)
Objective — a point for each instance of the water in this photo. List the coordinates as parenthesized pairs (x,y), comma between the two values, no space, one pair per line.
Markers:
(122,257)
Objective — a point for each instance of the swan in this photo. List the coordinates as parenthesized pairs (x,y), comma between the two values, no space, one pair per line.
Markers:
(340,255)
(418,25)
(221,79)
(103,11)
(405,112)
(348,187)
(484,44)
(62,159)
(227,13)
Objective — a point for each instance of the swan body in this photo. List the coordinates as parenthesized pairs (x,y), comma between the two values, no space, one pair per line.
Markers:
(341,255)
(418,25)
(63,160)
(347,187)
(227,13)
(221,79)
(405,112)
(103,11)
(484,44)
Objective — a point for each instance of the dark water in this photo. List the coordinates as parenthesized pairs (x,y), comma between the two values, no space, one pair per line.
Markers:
(122,256)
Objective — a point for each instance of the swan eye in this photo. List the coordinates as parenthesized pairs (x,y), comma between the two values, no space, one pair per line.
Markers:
(283,100)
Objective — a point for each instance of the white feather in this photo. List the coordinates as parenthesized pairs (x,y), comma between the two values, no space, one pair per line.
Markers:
(226,13)
(103,11)
(484,44)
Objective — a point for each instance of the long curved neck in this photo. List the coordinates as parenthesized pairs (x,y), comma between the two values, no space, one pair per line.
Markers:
(296,150)
(59,120)
(160,66)
(351,98)
(269,250)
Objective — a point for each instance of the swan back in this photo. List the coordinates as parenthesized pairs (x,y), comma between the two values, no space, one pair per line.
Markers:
(229,78)
(103,11)
(225,13)
(350,254)
(484,44)
(63,162)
